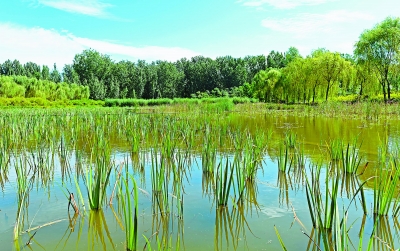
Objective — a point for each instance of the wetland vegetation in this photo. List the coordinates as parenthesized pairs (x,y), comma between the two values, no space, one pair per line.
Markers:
(127,179)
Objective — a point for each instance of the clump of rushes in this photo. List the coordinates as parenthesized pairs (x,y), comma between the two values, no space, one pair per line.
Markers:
(223,182)
(253,154)
(24,186)
(97,176)
(385,186)
(130,211)
(159,183)
(290,139)
(335,149)
(322,210)
(350,158)
(208,158)
(284,158)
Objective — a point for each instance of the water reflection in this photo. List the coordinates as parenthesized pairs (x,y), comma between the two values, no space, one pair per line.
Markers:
(98,232)
(230,229)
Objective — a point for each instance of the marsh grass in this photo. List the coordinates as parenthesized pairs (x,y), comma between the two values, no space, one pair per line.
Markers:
(97,176)
(322,210)
(209,158)
(160,184)
(290,139)
(351,158)
(285,158)
(335,149)
(223,181)
(24,185)
(130,208)
(386,183)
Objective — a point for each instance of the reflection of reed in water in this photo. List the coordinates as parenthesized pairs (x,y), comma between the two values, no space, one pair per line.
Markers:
(97,228)
(351,187)
(250,196)
(230,227)
(164,228)
(207,184)
(284,183)
(384,237)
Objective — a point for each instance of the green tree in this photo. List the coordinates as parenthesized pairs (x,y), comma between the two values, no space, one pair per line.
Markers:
(380,46)
(69,75)
(45,74)
(32,70)
(330,67)
(55,76)
(265,84)
(276,60)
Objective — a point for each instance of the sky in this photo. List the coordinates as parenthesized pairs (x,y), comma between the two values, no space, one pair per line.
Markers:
(54,31)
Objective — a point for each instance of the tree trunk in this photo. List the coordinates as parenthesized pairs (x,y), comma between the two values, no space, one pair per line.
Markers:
(327,91)
(313,96)
(384,91)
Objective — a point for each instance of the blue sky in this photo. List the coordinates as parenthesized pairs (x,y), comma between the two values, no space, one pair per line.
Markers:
(53,31)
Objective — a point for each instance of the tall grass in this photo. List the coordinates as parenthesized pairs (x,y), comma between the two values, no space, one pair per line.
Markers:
(351,158)
(130,211)
(285,159)
(322,210)
(223,182)
(97,175)
(386,184)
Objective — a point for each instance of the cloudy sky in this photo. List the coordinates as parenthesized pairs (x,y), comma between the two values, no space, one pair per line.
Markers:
(54,31)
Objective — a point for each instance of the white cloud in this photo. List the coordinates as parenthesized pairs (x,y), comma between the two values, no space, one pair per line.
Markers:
(151,53)
(282,4)
(305,24)
(85,7)
(46,47)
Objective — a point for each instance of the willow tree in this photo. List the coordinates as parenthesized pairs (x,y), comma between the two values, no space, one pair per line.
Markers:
(264,84)
(380,46)
(330,67)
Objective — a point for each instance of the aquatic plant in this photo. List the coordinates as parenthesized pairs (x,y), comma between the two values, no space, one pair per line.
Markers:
(97,176)
(335,149)
(130,211)
(223,182)
(285,159)
(351,158)
(385,187)
(322,210)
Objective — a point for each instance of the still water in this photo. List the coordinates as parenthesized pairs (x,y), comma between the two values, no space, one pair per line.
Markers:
(273,200)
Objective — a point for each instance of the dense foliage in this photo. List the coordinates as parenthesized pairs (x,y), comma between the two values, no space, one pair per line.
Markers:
(280,77)
(21,86)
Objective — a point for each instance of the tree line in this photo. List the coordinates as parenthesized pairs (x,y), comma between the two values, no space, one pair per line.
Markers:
(279,77)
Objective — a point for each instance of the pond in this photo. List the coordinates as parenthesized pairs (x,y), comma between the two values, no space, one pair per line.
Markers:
(223,181)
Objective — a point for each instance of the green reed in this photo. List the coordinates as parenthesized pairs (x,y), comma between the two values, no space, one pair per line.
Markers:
(208,157)
(322,210)
(98,174)
(290,139)
(160,183)
(351,158)
(24,185)
(223,182)
(130,210)
(335,149)
(285,159)
(386,182)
